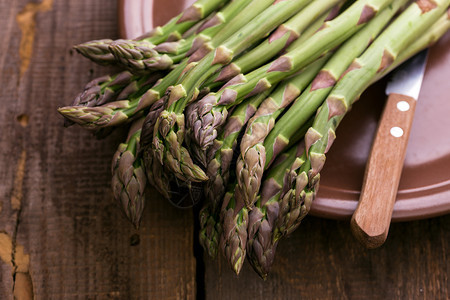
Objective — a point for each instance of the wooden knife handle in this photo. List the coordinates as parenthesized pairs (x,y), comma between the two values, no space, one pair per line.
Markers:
(372,217)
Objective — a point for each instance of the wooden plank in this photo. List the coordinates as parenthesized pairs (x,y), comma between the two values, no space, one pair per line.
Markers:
(322,260)
(78,242)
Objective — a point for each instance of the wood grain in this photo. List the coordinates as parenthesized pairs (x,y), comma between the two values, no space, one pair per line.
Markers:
(79,244)
(372,217)
(322,260)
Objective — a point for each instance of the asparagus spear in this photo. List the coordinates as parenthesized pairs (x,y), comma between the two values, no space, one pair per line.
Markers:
(97,51)
(128,180)
(100,90)
(294,202)
(100,52)
(332,34)
(184,21)
(249,170)
(169,136)
(233,240)
(429,38)
(220,155)
(210,230)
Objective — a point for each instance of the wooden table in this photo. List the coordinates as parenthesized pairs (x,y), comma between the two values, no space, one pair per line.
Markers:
(63,237)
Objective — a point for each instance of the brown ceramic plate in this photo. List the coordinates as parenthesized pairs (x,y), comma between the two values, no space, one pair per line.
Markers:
(424,189)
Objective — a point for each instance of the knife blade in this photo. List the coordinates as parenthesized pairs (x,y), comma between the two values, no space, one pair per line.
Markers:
(372,217)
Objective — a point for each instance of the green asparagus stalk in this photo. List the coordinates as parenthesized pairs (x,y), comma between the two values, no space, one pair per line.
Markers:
(221,153)
(218,171)
(210,230)
(97,51)
(180,194)
(233,241)
(139,56)
(429,38)
(305,106)
(333,33)
(251,162)
(128,180)
(101,90)
(169,136)
(371,64)
(100,52)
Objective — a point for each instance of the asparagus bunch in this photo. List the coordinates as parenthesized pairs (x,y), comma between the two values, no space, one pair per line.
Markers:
(247,108)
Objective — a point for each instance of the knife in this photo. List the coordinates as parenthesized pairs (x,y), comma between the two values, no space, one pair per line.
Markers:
(371,220)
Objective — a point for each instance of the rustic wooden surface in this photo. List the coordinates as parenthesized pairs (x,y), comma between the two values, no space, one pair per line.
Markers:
(79,244)
(63,237)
